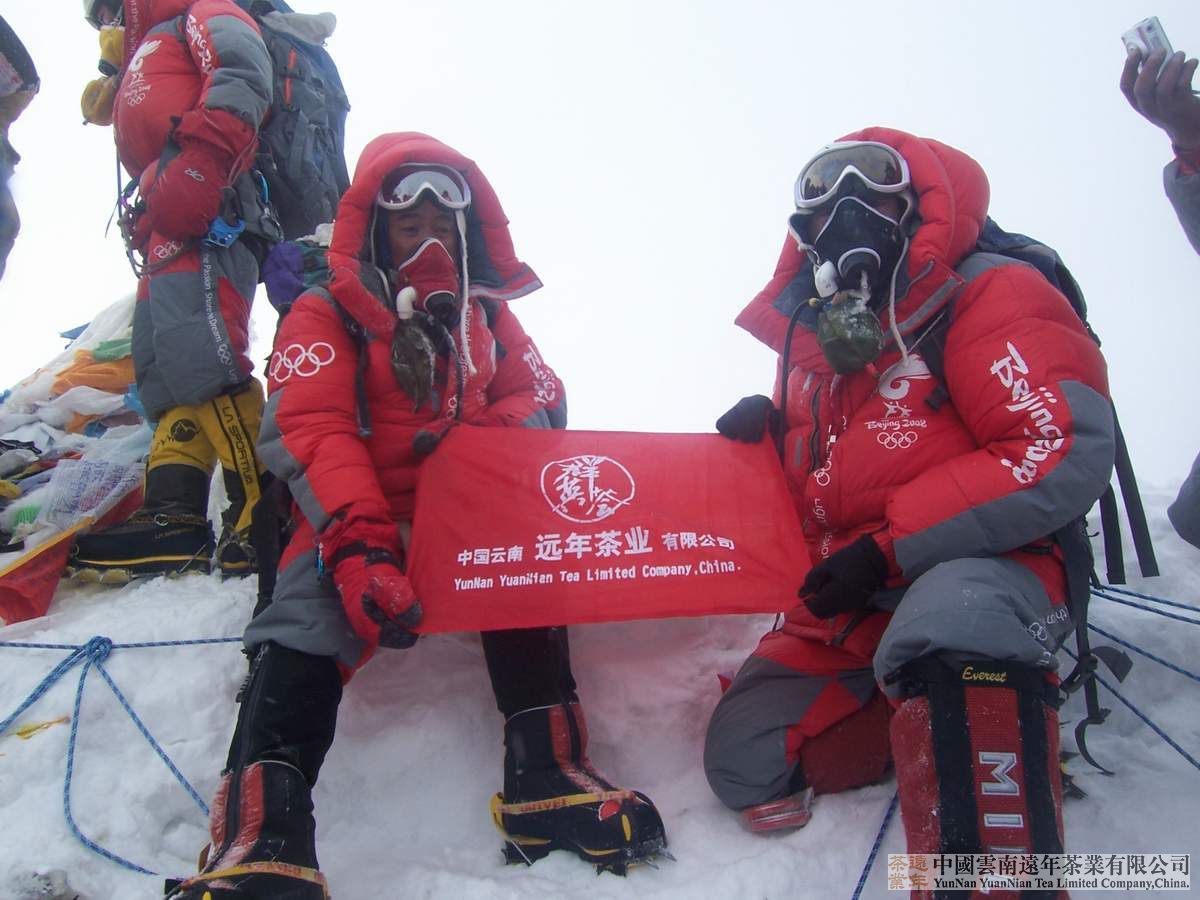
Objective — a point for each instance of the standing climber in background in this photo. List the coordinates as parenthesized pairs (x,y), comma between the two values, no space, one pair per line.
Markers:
(18,83)
(186,87)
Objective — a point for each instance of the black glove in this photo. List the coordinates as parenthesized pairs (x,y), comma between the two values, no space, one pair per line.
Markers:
(845,581)
(748,418)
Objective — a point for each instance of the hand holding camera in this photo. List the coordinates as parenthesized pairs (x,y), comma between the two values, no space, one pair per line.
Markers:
(1157,82)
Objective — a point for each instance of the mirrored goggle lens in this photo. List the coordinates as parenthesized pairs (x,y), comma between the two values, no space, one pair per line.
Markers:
(879,167)
(104,14)
(450,191)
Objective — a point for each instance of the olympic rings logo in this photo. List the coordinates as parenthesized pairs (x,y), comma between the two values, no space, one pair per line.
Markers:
(166,249)
(303,362)
(896,440)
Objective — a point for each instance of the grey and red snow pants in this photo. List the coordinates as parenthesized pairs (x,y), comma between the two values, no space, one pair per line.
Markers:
(191,326)
(803,711)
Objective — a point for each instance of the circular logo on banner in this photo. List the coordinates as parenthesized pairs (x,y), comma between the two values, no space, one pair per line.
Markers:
(586,489)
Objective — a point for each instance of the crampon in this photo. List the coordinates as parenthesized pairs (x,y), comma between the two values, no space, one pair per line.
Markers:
(615,830)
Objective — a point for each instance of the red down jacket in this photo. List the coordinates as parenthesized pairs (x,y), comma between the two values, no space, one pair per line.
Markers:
(311,432)
(197,73)
(1024,444)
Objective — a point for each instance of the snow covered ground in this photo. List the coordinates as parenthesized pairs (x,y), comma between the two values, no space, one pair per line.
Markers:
(402,804)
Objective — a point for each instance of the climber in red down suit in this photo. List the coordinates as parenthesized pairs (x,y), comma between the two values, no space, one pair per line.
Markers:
(412,333)
(947,423)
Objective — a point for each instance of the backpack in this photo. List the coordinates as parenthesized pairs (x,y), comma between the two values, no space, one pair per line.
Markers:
(291,267)
(996,247)
(301,152)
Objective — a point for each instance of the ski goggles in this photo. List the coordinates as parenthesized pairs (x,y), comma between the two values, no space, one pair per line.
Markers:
(877,166)
(404,188)
(101,13)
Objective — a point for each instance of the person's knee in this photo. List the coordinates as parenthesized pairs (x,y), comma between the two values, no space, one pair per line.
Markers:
(745,757)
(970,609)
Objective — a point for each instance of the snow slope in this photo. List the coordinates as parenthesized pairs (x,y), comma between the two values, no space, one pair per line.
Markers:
(402,804)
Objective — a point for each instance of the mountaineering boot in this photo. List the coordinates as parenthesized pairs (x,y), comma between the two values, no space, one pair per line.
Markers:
(554,800)
(849,754)
(263,840)
(262,827)
(170,534)
(230,422)
(236,553)
(977,761)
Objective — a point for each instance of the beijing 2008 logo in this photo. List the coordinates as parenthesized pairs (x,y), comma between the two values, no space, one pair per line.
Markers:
(586,489)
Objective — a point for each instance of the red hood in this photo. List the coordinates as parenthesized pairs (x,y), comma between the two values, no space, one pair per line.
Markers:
(952,196)
(494,270)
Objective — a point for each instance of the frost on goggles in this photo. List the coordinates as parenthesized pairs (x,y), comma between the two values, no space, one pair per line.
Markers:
(404,189)
(878,166)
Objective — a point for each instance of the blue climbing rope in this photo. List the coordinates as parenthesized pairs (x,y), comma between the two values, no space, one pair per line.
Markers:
(1159,612)
(1145,653)
(1141,715)
(887,820)
(1137,712)
(1150,597)
(93,653)
(137,645)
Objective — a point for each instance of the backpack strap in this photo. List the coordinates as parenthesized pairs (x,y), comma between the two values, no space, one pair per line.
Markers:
(360,337)
(932,341)
(1078,559)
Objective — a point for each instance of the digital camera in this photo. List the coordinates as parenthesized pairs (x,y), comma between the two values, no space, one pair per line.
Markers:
(1147,36)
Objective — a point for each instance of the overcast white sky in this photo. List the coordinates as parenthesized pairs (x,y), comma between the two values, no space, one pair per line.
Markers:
(645,153)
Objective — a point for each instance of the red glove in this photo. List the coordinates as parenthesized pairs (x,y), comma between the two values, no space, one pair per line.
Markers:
(378,598)
(432,274)
(186,195)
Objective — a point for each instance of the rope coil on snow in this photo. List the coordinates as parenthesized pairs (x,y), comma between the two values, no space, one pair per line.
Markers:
(94,653)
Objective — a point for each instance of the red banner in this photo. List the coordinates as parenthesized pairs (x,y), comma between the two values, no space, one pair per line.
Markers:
(518,527)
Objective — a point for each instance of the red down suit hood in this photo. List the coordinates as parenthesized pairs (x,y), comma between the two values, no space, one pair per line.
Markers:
(952,203)
(494,272)
(338,425)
